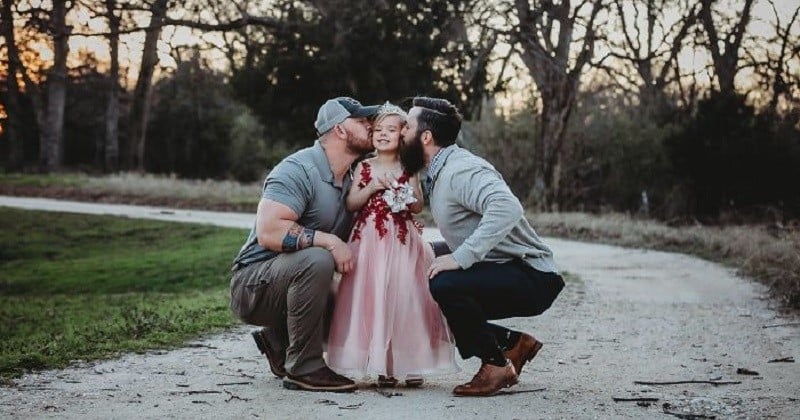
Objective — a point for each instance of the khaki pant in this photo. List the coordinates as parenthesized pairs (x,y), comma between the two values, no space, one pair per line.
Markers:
(289,293)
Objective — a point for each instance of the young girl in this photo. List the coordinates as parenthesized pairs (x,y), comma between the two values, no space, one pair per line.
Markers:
(385,321)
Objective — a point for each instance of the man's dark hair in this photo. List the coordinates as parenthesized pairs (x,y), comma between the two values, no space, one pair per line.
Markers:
(440,117)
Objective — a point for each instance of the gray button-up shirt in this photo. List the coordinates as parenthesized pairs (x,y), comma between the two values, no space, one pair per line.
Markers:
(478,215)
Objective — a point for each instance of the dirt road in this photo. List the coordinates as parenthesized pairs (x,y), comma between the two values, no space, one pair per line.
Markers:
(633,315)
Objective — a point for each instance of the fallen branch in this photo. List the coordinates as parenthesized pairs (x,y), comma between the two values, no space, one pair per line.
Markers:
(200,345)
(783,360)
(351,406)
(201,392)
(745,371)
(236,397)
(788,324)
(234,383)
(686,416)
(521,391)
(687,382)
(618,399)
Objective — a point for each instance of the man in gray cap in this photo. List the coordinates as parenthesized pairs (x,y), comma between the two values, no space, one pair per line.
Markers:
(282,276)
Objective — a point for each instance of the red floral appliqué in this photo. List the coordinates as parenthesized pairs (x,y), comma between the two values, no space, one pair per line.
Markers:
(377,206)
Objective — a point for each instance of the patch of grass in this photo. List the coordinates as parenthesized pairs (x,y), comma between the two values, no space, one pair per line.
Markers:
(87,287)
(768,254)
(133,188)
(43,180)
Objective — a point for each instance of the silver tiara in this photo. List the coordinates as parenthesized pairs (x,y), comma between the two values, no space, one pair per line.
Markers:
(391,109)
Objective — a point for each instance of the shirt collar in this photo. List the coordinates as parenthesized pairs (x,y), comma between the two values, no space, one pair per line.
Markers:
(324,166)
(438,161)
(321,162)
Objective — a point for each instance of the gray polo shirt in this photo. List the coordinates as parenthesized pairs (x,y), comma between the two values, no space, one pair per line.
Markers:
(478,215)
(304,182)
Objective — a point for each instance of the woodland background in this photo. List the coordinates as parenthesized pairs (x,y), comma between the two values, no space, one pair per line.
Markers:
(682,110)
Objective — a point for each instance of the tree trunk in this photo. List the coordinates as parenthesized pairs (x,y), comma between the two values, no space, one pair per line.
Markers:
(558,98)
(52,147)
(140,106)
(548,62)
(13,133)
(111,145)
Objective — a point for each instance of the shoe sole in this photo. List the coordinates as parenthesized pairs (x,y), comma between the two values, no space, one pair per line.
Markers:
(414,383)
(264,348)
(509,383)
(292,384)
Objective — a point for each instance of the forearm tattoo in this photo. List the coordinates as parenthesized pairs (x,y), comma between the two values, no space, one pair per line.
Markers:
(297,238)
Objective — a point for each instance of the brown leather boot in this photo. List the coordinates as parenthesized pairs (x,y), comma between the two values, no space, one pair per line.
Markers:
(488,381)
(266,344)
(322,379)
(523,352)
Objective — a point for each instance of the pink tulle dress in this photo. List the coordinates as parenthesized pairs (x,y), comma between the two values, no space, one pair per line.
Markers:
(385,321)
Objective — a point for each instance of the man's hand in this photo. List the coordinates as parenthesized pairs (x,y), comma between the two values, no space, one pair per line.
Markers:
(442,263)
(343,256)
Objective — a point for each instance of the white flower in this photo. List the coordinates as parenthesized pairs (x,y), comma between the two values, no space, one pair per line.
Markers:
(399,197)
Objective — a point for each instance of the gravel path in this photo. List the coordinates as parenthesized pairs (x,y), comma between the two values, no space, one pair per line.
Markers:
(633,315)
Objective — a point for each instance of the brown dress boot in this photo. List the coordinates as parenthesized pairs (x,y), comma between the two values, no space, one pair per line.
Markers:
(523,352)
(488,381)
(266,344)
(322,379)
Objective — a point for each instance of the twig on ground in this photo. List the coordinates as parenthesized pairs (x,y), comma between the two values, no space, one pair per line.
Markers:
(783,360)
(666,409)
(202,391)
(644,399)
(788,324)
(235,397)
(351,406)
(687,382)
(745,371)
(520,391)
(200,345)
(234,383)
(326,402)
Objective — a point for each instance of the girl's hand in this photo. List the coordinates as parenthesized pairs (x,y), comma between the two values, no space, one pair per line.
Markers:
(381,183)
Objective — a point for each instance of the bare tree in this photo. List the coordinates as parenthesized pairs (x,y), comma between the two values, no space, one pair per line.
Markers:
(13,132)
(725,47)
(650,45)
(140,105)
(111,143)
(52,134)
(774,67)
(141,93)
(556,57)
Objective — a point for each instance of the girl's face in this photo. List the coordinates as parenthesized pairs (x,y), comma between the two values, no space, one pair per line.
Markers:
(386,133)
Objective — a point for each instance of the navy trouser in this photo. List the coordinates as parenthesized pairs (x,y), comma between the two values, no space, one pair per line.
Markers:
(490,290)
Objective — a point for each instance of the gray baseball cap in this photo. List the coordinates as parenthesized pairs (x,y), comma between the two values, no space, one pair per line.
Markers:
(336,110)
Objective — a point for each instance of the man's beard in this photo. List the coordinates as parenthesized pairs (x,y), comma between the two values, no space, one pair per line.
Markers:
(358,146)
(412,155)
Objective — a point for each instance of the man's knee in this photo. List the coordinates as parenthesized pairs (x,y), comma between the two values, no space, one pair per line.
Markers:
(442,286)
(317,265)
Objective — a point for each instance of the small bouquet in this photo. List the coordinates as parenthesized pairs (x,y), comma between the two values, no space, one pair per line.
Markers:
(399,197)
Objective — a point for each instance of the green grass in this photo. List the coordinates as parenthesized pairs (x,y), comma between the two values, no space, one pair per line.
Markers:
(89,287)
(42,180)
